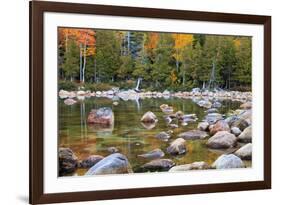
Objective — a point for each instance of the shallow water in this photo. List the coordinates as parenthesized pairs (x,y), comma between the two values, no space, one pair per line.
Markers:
(127,134)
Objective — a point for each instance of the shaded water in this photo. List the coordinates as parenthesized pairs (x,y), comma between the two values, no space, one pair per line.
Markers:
(127,134)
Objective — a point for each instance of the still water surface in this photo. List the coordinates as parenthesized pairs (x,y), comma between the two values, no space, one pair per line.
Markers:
(127,134)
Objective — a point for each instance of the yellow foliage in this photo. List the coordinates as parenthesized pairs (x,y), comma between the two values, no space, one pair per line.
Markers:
(173,77)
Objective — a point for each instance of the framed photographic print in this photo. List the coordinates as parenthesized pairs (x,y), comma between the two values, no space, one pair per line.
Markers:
(135,102)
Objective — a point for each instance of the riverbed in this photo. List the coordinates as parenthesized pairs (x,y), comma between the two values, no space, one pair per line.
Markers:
(128,134)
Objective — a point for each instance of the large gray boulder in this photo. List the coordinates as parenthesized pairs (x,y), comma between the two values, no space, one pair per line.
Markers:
(178,146)
(228,161)
(193,166)
(154,154)
(245,152)
(103,116)
(222,140)
(246,135)
(113,164)
(68,161)
(220,125)
(193,135)
(149,117)
(158,165)
(91,161)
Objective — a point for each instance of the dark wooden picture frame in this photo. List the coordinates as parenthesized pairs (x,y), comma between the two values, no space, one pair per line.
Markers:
(37,9)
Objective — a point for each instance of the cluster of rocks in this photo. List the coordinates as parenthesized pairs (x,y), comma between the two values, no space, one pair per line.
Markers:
(117,94)
(219,131)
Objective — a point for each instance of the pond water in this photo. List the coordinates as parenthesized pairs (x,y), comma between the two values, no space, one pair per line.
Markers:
(127,134)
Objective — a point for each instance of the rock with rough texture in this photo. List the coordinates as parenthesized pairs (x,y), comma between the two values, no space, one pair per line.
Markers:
(243,120)
(159,165)
(212,118)
(113,164)
(91,161)
(245,152)
(193,135)
(69,101)
(221,140)
(103,116)
(236,131)
(220,125)
(246,135)
(149,117)
(163,136)
(246,105)
(154,154)
(203,126)
(229,161)
(178,146)
(68,161)
(192,166)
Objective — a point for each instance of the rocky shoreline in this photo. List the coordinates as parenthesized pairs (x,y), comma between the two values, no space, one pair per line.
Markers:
(116,94)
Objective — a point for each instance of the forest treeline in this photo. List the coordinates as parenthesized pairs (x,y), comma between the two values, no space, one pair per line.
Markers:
(96,58)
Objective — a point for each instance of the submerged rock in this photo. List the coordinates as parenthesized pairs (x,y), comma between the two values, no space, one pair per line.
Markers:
(113,164)
(221,140)
(159,165)
(166,108)
(68,161)
(154,154)
(91,161)
(148,125)
(192,166)
(163,136)
(220,125)
(102,116)
(245,152)
(178,146)
(149,117)
(246,135)
(228,162)
(193,135)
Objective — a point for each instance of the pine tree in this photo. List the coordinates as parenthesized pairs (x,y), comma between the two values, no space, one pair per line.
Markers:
(71,60)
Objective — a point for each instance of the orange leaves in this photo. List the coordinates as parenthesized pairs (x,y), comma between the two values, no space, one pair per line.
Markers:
(182,40)
(80,36)
(152,40)
(237,43)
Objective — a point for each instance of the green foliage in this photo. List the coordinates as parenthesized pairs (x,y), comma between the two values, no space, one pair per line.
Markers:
(121,57)
(98,86)
(67,85)
(71,60)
